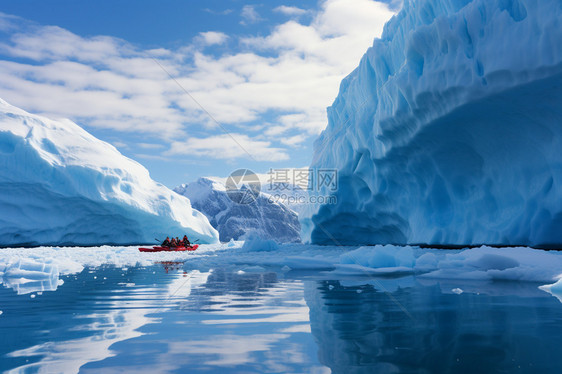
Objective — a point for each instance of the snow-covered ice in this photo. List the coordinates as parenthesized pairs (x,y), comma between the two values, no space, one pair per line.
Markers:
(554,289)
(482,263)
(61,185)
(448,132)
(27,275)
(39,269)
(255,243)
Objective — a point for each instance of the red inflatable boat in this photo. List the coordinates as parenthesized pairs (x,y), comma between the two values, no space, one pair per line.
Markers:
(169,249)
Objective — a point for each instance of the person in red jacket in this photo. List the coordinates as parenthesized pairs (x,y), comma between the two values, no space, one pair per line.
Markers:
(185,242)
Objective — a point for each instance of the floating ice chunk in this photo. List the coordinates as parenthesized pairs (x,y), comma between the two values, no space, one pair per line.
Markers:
(427,261)
(554,289)
(379,256)
(360,270)
(458,291)
(26,276)
(252,269)
(489,261)
(254,243)
(308,263)
(486,263)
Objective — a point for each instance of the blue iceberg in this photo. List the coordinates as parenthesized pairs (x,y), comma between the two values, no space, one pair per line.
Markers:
(60,185)
(449,132)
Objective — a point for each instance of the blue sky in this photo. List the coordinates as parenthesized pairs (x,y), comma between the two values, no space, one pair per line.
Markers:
(188,88)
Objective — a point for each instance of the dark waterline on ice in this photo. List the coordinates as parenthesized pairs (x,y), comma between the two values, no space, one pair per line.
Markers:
(546,247)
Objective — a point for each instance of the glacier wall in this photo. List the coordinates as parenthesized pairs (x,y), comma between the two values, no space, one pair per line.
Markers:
(61,185)
(450,130)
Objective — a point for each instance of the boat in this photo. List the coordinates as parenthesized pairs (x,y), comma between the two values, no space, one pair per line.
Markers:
(170,249)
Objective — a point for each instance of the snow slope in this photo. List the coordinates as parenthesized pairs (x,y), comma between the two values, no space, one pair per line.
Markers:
(267,219)
(450,130)
(61,185)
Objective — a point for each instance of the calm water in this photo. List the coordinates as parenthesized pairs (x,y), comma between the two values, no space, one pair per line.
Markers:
(164,319)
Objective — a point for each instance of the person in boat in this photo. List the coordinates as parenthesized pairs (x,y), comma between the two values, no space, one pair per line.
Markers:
(166,242)
(174,243)
(185,242)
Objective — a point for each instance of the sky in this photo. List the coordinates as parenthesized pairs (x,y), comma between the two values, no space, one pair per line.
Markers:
(188,88)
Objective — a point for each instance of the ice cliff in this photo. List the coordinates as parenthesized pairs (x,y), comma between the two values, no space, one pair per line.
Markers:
(61,185)
(450,130)
(265,218)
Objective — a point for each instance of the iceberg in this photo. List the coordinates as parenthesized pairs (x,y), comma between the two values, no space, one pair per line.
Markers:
(449,130)
(26,276)
(263,217)
(59,185)
(254,243)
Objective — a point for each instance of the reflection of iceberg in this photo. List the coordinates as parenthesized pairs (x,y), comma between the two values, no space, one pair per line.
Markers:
(554,289)
(124,316)
(27,276)
(359,329)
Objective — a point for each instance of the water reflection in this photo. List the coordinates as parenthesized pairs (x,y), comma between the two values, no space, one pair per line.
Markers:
(236,321)
(248,319)
(60,332)
(491,328)
(171,265)
(160,319)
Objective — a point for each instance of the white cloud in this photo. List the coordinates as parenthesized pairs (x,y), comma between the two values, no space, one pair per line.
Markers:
(293,141)
(250,15)
(290,75)
(218,12)
(150,146)
(229,146)
(118,144)
(290,10)
(55,43)
(212,37)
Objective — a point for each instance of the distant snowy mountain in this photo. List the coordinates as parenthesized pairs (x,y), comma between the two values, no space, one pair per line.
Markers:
(269,220)
(61,185)
(286,192)
(450,130)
